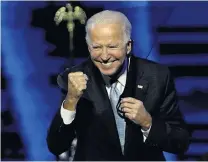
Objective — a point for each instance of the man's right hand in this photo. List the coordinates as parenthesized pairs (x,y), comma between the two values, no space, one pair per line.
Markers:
(77,83)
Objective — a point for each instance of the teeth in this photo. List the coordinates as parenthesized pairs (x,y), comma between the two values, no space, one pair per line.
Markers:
(107,64)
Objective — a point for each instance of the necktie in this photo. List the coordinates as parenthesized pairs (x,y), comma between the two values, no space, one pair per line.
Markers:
(120,123)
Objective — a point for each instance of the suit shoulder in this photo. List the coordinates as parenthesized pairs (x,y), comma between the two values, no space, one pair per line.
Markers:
(152,67)
(79,67)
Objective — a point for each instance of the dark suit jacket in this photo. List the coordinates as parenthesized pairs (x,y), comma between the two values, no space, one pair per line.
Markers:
(94,124)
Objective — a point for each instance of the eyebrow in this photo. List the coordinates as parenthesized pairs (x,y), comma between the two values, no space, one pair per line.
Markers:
(113,44)
(95,44)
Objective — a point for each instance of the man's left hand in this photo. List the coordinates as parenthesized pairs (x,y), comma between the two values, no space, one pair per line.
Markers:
(135,111)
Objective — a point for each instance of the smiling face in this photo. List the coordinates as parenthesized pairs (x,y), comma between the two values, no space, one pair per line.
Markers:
(107,47)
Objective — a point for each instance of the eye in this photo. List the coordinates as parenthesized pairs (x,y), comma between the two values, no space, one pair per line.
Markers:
(96,47)
(113,46)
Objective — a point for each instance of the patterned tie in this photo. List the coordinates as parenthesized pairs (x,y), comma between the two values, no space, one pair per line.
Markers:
(120,123)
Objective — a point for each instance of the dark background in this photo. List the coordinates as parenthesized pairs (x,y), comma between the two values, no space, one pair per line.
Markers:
(34,50)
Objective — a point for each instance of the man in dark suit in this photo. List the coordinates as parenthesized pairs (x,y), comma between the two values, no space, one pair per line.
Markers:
(118,106)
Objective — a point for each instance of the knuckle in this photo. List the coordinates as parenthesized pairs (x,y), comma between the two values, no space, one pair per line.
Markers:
(79,88)
(75,85)
(81,78)
(82,82)
(85,84)
(79,73)
(72,74)
(71,81)
(140,102)
(69,76)
(133,116)
(85,77)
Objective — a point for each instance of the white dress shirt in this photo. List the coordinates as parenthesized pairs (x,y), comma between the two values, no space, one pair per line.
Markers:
(68,116)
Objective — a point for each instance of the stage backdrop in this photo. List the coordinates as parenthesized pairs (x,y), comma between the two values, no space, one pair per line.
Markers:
(34,50)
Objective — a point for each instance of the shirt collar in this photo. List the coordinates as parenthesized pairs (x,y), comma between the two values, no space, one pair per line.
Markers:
(122,78)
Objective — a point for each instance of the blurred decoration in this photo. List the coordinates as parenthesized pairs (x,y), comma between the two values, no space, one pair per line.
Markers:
(12,149)
(11,145)
(201,102)
(70,17)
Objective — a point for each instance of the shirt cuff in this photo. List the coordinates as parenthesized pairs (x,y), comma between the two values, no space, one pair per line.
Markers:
(67,115)
(145,133)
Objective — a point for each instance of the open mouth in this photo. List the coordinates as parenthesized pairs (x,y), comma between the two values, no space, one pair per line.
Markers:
(107,63)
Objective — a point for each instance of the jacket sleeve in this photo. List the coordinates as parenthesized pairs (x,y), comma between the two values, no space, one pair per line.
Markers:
(60,136)
(169,131)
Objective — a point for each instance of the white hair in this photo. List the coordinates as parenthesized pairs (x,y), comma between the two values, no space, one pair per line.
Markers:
(109,17)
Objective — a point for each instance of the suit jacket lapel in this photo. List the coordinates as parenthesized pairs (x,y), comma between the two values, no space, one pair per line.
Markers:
(99,96)
(136,87)
(142,84)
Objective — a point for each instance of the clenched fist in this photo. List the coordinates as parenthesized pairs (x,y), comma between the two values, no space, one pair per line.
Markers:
(77,83)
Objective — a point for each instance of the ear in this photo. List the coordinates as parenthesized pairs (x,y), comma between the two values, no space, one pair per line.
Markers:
(129,46)
(88,48)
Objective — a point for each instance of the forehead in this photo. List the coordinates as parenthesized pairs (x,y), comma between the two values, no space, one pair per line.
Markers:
(106,33)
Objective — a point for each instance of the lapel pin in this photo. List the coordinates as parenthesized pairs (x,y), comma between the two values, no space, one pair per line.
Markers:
(140,86)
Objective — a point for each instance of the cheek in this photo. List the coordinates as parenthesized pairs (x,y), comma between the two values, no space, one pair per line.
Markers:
(120,56)
(94,56)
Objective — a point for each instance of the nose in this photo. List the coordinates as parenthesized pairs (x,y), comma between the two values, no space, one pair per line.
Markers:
(104,55)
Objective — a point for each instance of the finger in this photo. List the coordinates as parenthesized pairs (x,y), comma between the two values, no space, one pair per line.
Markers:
(129,100)
(77,77)
(75,83)
(86,77)
(79,73)
(126,110)
(81,79)
(78,80)
(79,84)
(82,87)
(127,105)
(129,116)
